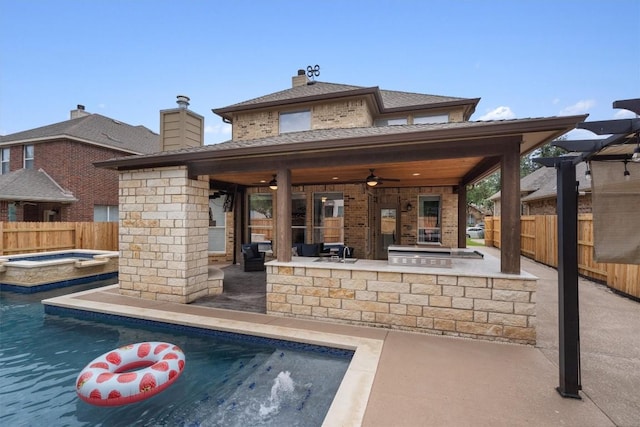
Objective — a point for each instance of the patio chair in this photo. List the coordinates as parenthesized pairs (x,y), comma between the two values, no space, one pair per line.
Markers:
(253,258)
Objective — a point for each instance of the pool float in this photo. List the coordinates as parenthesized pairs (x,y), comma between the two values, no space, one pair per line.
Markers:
(130,374)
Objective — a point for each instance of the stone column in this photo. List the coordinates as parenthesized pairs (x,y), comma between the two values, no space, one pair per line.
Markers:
(164,235)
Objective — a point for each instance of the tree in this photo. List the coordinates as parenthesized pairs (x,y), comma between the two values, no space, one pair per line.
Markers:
(479,193)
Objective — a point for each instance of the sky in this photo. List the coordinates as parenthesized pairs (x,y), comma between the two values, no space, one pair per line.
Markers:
(130,59)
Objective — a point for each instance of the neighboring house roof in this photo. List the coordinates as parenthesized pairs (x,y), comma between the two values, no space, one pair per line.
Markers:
(541,184)
(33,186)
(549,189)
(387,101)
(93,129)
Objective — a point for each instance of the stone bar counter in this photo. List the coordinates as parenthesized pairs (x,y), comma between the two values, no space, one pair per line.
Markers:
(470,298)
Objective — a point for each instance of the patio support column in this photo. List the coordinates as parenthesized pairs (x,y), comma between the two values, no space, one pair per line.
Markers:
(283,215)
(510,217)
(568,306)
(462,216)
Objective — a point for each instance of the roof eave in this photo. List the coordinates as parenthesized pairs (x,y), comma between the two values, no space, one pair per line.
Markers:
(560,124)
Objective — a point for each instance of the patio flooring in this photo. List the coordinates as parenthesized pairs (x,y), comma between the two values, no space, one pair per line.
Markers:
(425,380)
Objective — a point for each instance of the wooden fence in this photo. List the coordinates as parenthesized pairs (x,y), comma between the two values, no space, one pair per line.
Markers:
(24,237)
(539,241)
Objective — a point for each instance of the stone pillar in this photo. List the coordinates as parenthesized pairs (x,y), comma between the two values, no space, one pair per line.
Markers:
(164,235)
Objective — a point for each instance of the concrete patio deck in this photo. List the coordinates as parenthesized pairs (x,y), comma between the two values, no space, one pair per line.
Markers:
(425,380)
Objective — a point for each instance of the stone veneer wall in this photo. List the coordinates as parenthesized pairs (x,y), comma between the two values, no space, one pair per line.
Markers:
(499,309)
(164,235)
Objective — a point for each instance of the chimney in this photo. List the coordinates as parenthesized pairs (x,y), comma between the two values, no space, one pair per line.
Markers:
(300,79)
(181,127)
(79,112)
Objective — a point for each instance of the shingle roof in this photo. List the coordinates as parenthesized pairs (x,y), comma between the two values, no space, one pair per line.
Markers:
(34,186)
(389,99)
(542,183)
(97,129)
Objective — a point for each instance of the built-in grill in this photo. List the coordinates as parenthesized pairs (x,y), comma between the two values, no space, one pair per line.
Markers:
(427,256)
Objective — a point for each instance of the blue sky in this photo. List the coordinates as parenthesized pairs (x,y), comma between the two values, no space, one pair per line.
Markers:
(129,59)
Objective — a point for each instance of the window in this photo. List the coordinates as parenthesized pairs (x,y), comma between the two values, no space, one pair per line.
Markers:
(429,219)
(391,122)
(5,160)
(295,121)
(105,213)
(438,118)
(217,225)
(261,217)
(328,218)
(298,218)
(28,157)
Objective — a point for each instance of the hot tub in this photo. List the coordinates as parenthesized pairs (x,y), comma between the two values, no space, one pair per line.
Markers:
(40,271)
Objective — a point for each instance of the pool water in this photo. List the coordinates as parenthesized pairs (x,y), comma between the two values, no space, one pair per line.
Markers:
(226,382)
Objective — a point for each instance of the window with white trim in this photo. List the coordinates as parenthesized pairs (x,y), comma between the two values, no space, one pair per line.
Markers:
(28,156)
(328,218)
(391,122)
(261,217)
(429,219)
(436,118)
(217,225)
(295,121)
(105,213)
(6,152)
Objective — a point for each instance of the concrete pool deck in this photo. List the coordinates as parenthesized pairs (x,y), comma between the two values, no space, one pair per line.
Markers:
(410,379)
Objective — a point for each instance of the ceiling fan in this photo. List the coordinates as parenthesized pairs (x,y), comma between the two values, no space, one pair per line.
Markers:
(373,180)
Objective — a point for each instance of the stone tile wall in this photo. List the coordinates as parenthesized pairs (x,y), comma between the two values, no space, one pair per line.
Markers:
(164,235)
(499,309)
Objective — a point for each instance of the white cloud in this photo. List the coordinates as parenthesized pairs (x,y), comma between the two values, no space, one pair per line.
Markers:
(624,114)
(500,113)
(219,129)
(583,134)
(555,101)
(217,133)
(102,106)
(579,107)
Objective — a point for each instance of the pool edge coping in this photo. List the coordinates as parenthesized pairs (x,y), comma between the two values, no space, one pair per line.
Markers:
(350,401)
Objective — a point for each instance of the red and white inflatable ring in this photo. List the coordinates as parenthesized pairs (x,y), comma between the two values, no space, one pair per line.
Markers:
(112,379)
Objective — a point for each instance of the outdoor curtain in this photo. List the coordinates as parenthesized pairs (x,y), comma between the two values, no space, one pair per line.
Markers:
(616,212)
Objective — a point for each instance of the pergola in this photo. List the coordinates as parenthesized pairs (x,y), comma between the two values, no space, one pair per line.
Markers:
(622,144)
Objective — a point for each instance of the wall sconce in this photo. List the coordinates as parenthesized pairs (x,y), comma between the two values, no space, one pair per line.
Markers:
(587,174)
(273,184)
(409,207)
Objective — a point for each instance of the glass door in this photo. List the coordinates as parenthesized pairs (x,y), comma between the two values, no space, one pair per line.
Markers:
(387,230)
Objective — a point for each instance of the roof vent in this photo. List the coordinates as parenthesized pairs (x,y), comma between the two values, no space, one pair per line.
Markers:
(183,102)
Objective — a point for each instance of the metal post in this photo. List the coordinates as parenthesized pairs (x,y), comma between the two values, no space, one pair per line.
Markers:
(568,313)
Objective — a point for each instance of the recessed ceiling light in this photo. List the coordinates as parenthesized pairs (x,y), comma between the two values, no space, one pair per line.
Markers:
(416,173)
(262,181)
(335,177)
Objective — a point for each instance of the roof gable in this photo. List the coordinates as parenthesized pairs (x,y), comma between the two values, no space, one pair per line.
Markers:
(385,100)
(34,186)
(93,129)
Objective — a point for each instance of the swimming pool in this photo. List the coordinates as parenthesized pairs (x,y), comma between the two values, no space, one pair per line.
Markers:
(41,271)
(240,381)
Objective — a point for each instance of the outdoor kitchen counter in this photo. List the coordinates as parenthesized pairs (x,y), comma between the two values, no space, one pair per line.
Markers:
(471,298)
(489,266)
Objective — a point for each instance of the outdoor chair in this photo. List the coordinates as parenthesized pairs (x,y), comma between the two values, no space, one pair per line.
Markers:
(253,258)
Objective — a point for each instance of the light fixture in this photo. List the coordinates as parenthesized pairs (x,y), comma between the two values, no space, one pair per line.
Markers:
(409,207)
(273,184)
(587,174)
(372,180)
(627,174)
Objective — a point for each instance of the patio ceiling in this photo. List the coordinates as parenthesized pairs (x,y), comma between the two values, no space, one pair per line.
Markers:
(420,155)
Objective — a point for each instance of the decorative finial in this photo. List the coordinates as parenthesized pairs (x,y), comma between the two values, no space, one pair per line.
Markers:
(313,71)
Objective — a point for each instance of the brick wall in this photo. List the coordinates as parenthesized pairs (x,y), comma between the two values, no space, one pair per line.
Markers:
(164,235)
(340,114)
(491,308)
(70,164)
